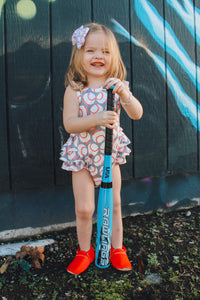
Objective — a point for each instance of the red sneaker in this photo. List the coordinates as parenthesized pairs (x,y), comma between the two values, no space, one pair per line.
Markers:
(81,262)
(119,259)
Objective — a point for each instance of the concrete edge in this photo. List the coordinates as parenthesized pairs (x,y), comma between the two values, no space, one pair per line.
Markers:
(8,235)
(30,231)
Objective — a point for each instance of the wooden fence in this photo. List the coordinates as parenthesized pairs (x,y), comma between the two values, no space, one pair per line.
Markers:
(160,45)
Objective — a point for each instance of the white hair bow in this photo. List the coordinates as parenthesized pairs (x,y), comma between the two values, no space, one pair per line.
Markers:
(78,37)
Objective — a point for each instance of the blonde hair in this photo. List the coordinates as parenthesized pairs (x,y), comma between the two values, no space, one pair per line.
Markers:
(76,73)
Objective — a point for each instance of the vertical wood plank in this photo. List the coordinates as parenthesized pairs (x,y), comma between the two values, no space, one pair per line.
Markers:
(148,69)
(66,17)
(103,12)
(4,170)
(29,97)
(181,82)
(197,40)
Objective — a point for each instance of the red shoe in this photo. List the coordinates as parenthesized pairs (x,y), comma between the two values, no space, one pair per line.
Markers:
(119,259)
(81,262)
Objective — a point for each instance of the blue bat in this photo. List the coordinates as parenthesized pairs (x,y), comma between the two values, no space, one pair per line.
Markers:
(105,202)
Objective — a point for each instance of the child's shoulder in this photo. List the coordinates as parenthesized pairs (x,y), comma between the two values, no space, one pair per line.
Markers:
(70,92)
(74,87)
(77,86)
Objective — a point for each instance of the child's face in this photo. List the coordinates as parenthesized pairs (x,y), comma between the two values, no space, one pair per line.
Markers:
(96,56)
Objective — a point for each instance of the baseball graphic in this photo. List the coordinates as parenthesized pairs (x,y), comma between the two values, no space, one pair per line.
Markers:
(82,150)
(98,136)
(98,160)
(93,149)
(89,98)
(84,137)
(83,111)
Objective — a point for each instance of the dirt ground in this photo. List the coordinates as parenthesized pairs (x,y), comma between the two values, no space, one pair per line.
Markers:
(163,249)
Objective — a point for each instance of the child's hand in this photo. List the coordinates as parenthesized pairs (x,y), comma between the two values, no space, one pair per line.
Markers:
(121,88)
(107,119)
(130,104)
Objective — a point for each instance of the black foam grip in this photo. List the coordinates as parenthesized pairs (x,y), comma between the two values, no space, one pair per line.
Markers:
(109,132)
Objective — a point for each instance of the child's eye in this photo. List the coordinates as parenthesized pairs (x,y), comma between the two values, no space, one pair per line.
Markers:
(106,51)
(89,50)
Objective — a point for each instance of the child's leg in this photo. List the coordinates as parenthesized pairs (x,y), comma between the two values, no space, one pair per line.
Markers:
(117,226)
(83,189)
(118,256)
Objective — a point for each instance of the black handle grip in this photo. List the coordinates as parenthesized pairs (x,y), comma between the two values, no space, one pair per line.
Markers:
(109,132)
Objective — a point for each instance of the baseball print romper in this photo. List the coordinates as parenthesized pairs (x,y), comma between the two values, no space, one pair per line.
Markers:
(86,149)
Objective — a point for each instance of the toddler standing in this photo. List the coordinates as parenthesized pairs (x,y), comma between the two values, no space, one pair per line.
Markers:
(95,66)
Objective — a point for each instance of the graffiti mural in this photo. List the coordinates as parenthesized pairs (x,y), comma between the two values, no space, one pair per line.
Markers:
(26,9)
(186,12)
(160,45)
(161,31)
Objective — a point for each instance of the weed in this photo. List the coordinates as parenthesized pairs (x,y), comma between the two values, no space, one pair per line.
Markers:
(153,260)
(166,249)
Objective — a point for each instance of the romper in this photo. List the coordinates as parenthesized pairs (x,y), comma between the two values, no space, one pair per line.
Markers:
(86,149)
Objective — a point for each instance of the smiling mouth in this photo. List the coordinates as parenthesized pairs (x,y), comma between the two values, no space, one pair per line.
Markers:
(97,64)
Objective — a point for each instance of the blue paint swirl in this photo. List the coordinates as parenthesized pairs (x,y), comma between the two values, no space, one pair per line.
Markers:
(185,103)
(156,25)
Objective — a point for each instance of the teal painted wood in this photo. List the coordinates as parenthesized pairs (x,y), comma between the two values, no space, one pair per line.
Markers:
(108,13)
(4,168)
(165,193)
(35,70)
(66,17)
(29,95)
(197,36)
(181,82)
(150,150)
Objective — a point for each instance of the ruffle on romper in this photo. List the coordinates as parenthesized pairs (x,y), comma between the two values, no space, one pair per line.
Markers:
(122,149)
(86,149)
(77,156)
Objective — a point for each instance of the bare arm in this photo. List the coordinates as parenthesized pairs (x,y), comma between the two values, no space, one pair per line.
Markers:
(130,104)
(75,124)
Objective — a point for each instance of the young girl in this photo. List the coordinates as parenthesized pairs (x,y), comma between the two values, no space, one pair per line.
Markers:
(95,66)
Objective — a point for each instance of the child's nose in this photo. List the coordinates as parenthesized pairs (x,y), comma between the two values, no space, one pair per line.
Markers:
(98,54)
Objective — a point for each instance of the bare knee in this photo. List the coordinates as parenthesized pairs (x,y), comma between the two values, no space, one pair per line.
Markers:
(84,212)
(83,188)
